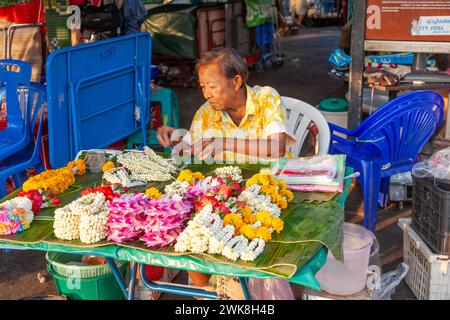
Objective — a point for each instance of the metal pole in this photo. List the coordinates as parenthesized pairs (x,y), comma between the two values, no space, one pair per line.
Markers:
(229,25)
(132,283)
(357,64)
(178,289)
(119,278)
(245,290)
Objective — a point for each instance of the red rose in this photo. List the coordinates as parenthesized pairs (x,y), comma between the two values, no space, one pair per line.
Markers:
(220,180)
(35,197)
(236,186)
(225,191)
(55,202)
(223,208)
(240,204)
(205,200)
(86,191)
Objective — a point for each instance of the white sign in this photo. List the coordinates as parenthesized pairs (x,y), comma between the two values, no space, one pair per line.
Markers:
(431,26)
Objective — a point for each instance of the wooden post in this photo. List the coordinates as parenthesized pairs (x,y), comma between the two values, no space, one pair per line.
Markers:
(356,80)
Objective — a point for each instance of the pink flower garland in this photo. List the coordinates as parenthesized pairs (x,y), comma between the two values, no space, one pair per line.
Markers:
(156,222)
(9,224)
(164,221)
(203,187)
(124,215)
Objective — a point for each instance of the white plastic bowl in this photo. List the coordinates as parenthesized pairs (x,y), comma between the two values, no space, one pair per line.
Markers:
(349,277)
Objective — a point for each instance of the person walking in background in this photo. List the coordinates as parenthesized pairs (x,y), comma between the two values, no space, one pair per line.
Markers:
(134,14)
(100,19)
(298,9)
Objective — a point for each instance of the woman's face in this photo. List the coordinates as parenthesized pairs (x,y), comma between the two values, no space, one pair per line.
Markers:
(218,90)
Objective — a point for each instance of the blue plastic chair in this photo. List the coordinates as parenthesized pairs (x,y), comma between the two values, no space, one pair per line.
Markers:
(29,156)
(388,142)
(15,85)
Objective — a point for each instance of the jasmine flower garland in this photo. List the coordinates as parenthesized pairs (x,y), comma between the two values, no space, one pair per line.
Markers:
(147,165)
(258,202)
(117,176)
(66,225)
(93,227)
(177,187)
(254,249)
(206,233)
(230,172)
(85,218)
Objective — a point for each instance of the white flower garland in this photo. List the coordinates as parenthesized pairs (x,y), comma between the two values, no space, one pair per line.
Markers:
(85,218)
(147,165)
(258,202)
(18,202)
(93,227)
(89,204)
(235,247)
(117,175)
(254,249)
(235,173)
(177,187)
(160,160)
(67,224)
(207,233)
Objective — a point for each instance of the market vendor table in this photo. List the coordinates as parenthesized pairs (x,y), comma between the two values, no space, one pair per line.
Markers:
(305,276)
(312,226)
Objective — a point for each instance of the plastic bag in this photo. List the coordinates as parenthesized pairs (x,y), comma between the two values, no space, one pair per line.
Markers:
(402,178)
(270,289)
(318,169)
(438,166)
(389,281)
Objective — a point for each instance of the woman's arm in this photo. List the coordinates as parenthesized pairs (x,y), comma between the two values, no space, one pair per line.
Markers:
(272,147)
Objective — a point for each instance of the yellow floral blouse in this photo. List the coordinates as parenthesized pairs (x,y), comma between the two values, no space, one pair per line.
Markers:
(263,117)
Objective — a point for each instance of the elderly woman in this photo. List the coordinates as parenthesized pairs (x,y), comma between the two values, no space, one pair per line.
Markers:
(236,122)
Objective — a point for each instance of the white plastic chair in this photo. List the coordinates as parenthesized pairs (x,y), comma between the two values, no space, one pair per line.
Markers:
(299,114)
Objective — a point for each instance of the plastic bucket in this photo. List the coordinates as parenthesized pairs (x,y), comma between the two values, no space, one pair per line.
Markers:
(349,277)
(104,287)
(335,111)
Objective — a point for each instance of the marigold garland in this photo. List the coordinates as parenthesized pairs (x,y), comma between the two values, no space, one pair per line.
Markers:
(78,167)
(277,190)
(108,166)
(58,180)
(153,193)
(55,181)
(189,176)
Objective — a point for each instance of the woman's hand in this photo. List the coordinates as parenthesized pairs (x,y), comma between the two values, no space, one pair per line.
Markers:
(206,148)
(164,134)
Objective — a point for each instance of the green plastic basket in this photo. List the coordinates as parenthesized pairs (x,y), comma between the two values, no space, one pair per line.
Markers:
(59,262)
(104,287)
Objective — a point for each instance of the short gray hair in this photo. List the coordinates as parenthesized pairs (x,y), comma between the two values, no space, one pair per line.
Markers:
(230,61)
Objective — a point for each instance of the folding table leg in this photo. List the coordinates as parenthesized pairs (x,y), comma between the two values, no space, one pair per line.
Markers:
(132,283)
(245,288)
(119,278)
(178,289)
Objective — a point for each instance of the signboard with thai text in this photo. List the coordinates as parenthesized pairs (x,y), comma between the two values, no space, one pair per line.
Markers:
(408,20)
